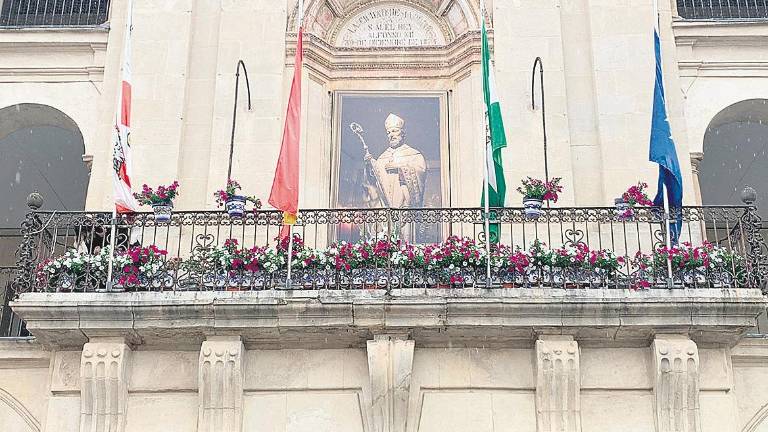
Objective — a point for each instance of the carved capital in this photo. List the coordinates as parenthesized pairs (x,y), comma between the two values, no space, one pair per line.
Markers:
(676,385)
(558,383)
(390,364)
(220,386)
(103,387)
(696,158)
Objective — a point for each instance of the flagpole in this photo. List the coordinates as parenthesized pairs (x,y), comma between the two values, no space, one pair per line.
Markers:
(118,115)
(667,214)
(486,175)
(111,264)
(290,226)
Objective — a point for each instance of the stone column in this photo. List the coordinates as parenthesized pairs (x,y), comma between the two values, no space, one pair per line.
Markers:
(220,385)
(676,385)
(696,158)
(103,385)
(558,384)
(390,363)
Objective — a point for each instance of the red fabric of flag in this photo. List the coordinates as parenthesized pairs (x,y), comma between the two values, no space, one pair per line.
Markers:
(285,187)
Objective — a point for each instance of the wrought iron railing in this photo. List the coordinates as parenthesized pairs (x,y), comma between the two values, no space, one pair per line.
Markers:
(723,9)
(390,249)
(53,13)
(11,325)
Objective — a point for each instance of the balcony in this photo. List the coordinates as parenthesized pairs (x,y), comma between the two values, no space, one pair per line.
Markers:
(595,272)
(723,10)
(390,249)
(53,13)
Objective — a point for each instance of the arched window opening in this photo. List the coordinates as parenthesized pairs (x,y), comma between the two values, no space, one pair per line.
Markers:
(736,155)
(42,151)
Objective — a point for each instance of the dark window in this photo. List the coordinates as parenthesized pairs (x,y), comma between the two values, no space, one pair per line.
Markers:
(54,13)
(723,9)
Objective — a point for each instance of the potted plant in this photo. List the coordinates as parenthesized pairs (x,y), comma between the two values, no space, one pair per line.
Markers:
(535,192)
(233,202)
(634,196)
(161,200)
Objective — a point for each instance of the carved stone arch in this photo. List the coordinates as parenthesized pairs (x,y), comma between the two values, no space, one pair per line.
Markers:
(758,422)
(322,17)
(22,414)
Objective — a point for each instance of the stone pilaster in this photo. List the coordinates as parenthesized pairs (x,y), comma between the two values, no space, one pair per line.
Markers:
(220,385)
(676,384)
(558,383)
(103,386)
(390,364)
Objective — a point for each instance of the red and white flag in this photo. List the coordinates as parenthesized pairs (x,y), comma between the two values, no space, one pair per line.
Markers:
(121,135)
(285,187)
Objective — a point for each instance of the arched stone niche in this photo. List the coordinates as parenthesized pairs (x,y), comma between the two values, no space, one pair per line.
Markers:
(448,19)
(426,47)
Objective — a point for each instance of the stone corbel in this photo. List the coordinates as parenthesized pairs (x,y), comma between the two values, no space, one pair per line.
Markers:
(676,385)
(558,384)
(103,386)
(220,385)
(390,364)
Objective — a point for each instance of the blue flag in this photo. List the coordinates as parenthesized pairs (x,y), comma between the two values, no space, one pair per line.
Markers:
(663,151)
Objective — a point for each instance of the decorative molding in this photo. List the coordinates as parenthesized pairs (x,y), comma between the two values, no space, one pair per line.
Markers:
(220,385)
(558,385)
(753,425)
(676,384)
(103,387)
(390,364)
(16,406)
(338,63)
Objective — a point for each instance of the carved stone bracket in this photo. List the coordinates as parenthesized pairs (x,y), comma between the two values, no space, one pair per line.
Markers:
(220,385)
(390,364)
(103,386)
(558,383)
(676,385)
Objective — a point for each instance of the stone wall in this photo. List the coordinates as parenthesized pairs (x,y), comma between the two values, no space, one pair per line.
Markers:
(390,385)
(597,57)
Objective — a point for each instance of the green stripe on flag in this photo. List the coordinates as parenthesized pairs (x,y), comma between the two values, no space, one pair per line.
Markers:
(497,186)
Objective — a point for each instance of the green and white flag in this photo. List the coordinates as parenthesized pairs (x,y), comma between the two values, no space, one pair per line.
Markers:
(495,137)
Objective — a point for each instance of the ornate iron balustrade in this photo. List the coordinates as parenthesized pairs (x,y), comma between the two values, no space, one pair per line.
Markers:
(53,13)
(565,247)
(723,9)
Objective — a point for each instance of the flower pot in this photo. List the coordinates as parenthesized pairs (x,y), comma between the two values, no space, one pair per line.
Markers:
(623,209)
(163,211)
(235,206)
(532,207)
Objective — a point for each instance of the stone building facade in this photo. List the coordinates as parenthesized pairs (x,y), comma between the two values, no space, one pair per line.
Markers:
(402,360)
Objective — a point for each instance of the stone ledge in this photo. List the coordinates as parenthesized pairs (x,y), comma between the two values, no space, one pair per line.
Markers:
(22,353)
(433,317)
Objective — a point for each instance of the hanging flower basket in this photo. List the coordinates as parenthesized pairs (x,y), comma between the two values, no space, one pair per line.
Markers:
(634,196)
(533,207)
(233,202)
(161,200)
(235,205)
(623,209)
(535,192)
(163,211)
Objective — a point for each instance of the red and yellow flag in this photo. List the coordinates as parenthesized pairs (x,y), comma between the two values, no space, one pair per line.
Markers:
(285,187)
(121,143)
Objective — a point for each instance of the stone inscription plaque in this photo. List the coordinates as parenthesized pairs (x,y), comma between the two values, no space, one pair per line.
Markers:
(390,26)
